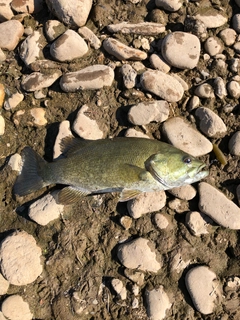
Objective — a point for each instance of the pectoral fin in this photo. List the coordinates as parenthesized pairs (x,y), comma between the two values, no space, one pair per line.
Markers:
(128,194)
(70,195)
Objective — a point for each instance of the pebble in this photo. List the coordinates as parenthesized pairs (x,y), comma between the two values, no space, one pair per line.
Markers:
(178,205)
(210,123)
(15,308)
(135,276)
(2,56)
(63,132)
(187,192)
(90,37)
(213,46)
(10,34)
(13,101)
(86,127)
(205,91)
(158,63)
(135,134)
(146,203)
(177,262)
(45,209)
(119,288)
(69,46)
(4,285)
(218,207)
(38,115)
(181,50)
(169,5)
(211,18)
(53,29)
(31,47)
(146,112)
(126,222)
(203,288)
(158,303)
(6,12)
(129,76)
(236,22)
(236,47)
(37,80)
(220,88)
(163,85)
(183,136)
(234,144)
(90,78)
(228,36)
(15,162)
(70,13)
(2,125)
(20,258)
(193,103)
(161,221)
(197,222)
(141,28)
(122,51)
(139,254)
(27,6)
(233,88)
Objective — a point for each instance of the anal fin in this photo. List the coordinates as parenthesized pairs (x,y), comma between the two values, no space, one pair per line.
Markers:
(69,195)
(128,194)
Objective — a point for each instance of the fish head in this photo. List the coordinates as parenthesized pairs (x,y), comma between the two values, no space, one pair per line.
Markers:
(175,168)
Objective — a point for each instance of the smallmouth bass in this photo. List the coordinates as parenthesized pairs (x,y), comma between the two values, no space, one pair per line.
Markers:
(127,165)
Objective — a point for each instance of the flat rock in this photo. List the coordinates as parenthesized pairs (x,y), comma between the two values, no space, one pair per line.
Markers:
(234,144)
(122,51)
(27,6)
(183,136)
(142,28)
(146,203)
(69,46)
(20,258)
(45,209)
(37,80)
(15,308)
(131,132)
(119,288)
(139,254)
(197,222)
(163,85)
(90,37)
(158,303)
(13,101)
(146,112)
(6,12)
(71,13)
(10,34)
(210,123)
(203,288)
(211,18)
(64,131)
(15,162)
(187,192)
(218,207)
(38,115)
(4,285)
(181,50)
(90,78)
(129,76)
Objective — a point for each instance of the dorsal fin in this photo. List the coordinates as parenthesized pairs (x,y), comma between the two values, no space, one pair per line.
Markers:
(70,145)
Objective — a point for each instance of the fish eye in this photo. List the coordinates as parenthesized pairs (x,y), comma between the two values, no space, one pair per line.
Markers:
(187,160)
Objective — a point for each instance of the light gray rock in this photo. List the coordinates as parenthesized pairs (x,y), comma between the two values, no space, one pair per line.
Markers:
(64,131)
(197,222)
(163,85)
(187,192)
(146,112)
(181,50)
(90,78)
(233,88)
(90,37)
(159,63)
(20,258)
(2,125)
(234,144)
(193,103)
(6,12)
(38,115)
(27,6)
(210,123)
(119,288)
(135,134)
(4,285)
(37,80)
(70,12)
(15,308)
(10,34)
(142,28)
(205,91)
(218,207)
(213,46)
(161,221)
(2,56)
(183,136)
(203,288)
(236,22)
(228,36)
(158,303)
(69,46)
(220,88)
(135,276)
(169,5)
(129,76)
(13,101)
(212,18)
(53,29)
(139,254)
(177,262)
(15,162)
(122,51)
(178,205)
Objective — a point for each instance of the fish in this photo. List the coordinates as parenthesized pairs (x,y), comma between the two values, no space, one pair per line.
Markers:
(130,166)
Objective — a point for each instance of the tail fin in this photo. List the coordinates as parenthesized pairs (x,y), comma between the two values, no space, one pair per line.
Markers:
(30,178)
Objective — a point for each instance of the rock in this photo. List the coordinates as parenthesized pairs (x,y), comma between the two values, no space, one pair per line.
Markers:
(135,134)
(161,221)
(236,22)
(20,258)
(135,276)
(139,254)
(183,136)
(2,316)
(119,288)
(213,46)
(90,78)
(2,125)
(146,203)
(158,303)
(236,47)
(220,88)
(69,46)
(86,127)
(169,5)
(181,81)
(4,285)
(146,112)
(15,162)
(210,123)
(37,80)
(2,94)
(13,101)
(10,34)
(211,18)
(15,308)
(187,192)
(196,27)
(233,88)
(178,205)
(238,194)
(218,207)
(177,262)
(122,51)
(27,6)
(203,288)
(193,103)
(126,222)
(205,91)
(129,76)
(53,29)
(181,50)
(228,36)
(2,56)
(163,85)
(197,222)
(142,28)
(38,115)
(64,131)
(6,12)
(234,144)
(69,12)
(46,209)
(90,37)
(159,63)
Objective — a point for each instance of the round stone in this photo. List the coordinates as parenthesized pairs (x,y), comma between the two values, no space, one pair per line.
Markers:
(15,308)
(233,88)
(158,303)
(213,46)
(228,36)
(169,5)
(234,144)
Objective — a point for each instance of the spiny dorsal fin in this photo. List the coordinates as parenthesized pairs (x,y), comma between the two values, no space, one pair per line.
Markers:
(70,195)
(128,194)
(70,145)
